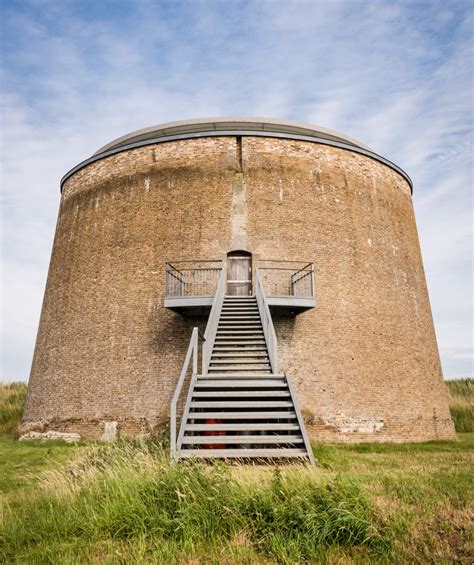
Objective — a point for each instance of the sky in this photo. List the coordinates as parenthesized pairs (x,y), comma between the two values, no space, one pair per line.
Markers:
(396,75)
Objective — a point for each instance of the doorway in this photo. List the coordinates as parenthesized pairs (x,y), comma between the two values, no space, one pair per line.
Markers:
(239,273)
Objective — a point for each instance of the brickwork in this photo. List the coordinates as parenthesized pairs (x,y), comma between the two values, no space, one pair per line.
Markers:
(364,362)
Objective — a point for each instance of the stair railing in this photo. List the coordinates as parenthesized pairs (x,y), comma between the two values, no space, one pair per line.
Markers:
(267,323)
(272,346)
(212,323)
(193,351)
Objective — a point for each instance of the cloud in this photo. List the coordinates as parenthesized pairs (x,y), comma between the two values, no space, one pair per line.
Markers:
(395,75)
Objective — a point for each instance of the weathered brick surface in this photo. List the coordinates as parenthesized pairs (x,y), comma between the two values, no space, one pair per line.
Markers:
(364,362)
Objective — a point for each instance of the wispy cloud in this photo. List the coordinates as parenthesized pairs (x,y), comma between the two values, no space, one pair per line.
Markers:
(394,74)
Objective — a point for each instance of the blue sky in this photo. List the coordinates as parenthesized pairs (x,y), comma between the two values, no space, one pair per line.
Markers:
(396,75)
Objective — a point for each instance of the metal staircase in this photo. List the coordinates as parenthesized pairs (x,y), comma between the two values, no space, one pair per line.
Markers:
(240,343)
(239,406)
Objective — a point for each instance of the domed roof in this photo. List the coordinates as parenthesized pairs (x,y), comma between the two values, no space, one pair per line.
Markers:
(230,124)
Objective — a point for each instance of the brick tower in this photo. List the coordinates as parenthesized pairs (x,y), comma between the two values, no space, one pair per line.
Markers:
(311,229)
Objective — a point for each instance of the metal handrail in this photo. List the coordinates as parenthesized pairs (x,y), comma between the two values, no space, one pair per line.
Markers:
(195,261)
(267,323)
(208,339)
(277,269)
(212,323)
(203,269)
(173,267)
(193,350)
(281,261)
(305,268)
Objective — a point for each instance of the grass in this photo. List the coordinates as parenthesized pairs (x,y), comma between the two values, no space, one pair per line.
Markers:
(131,492)
(461,403)
(126,503)
(12,401)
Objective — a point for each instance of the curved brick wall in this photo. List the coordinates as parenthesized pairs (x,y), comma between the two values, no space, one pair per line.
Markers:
(364,362)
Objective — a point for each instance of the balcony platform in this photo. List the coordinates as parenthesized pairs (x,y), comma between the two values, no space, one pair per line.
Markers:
(189,305)
(190,285)
(296,304)
(199,305)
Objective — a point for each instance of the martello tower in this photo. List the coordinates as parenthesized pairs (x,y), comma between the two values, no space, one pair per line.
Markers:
(292,248)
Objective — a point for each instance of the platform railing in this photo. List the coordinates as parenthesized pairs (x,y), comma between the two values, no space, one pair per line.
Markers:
(287,278)
(192,278)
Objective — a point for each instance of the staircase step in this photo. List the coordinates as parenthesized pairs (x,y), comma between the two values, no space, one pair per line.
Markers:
(247,299)
(248,333)
(239,375)
(189,440)
(242,415)
(240,427)
(233,326)
(243,404)
(240,321)
(246,302)
(240,348)
(240,313)
(240,309)
(241,304)
(241,383)
(241,369)
(239,362)
(242,394)
(236,355)
(244,341)
(256,331)
(243,453)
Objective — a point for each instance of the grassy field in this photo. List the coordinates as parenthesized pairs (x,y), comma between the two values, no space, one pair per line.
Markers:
(125,503)
(461,403)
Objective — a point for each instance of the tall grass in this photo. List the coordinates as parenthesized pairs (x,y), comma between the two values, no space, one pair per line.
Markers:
(12,401)
(461,403)
(131,493)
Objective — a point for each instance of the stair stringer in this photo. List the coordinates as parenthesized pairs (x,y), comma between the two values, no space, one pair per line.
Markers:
(300,420)
(184,419)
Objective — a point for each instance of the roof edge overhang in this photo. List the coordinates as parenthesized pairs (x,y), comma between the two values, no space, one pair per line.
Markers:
(213,127)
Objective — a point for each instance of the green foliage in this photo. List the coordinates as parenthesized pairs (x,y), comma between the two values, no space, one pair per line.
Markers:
(461,403)
(130,492)
(463,388)
(126,503)
(21,461)
(12,401)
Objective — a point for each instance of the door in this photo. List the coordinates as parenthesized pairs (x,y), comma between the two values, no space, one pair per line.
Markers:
(239,273)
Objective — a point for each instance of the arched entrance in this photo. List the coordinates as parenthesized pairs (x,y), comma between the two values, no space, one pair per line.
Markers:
(239,273)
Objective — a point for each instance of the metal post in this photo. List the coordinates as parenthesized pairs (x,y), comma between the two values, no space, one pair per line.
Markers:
(195,352)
